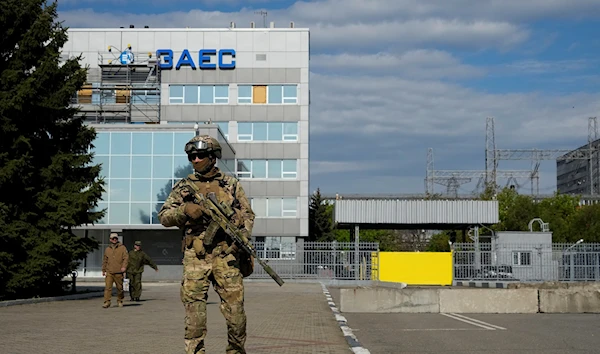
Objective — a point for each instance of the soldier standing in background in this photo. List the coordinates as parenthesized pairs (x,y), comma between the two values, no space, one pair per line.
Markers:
(135,268)
(114,265)
(208,255)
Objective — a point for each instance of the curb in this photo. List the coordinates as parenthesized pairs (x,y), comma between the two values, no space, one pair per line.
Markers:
(49,299)
(481,284)
(341,320)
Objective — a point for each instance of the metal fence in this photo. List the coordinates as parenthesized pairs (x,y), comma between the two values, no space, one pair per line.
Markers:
(525,262)
(320,260)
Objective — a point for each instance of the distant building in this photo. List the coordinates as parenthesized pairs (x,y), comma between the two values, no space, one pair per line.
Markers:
(573,176)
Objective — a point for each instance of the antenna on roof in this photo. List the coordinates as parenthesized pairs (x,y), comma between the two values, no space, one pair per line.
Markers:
(264,15)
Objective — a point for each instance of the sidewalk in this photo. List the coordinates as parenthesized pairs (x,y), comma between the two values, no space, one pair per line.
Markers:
(294,318)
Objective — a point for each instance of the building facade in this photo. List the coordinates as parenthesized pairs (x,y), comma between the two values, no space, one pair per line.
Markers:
(147,88)
(574,176)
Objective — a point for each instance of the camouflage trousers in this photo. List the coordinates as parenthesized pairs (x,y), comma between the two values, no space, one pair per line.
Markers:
(225,276)
(135,285)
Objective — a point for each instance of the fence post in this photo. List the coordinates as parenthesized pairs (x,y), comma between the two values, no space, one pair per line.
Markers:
(356,253)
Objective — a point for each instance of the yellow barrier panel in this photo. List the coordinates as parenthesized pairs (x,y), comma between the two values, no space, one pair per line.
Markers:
(416,268)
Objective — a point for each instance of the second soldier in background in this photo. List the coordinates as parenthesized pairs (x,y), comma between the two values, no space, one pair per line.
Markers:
(135,268)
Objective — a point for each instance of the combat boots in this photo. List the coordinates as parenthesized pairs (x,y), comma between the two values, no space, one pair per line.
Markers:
(106,304)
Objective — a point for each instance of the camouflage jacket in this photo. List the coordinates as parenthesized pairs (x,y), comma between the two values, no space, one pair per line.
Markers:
(226,188)
(137,260)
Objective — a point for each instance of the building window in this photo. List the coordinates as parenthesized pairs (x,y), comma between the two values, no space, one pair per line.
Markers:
(268,94)
(140,169)
(521,258)
(274,207)
(199,94)
(267,131)
(269,169)
(276,247)
(224,126)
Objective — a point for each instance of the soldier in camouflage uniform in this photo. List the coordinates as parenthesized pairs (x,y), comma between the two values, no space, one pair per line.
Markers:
(135,268)
(206,259)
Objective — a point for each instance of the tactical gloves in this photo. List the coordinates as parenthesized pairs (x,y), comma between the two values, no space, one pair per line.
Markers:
(192,210)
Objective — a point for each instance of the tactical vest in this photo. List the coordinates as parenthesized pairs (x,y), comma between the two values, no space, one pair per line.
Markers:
(204,233)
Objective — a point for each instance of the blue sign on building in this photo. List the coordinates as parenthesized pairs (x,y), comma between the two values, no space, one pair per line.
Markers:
(225,59)
(126,57)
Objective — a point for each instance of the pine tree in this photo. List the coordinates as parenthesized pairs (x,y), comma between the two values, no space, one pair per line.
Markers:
(47,182)
(320,219)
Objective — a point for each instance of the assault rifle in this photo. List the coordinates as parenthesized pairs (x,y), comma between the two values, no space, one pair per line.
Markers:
(218,214)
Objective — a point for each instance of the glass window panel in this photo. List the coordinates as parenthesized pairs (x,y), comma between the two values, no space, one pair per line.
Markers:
(190,94)
(221,100)
(161,188)
(290,128)
(289,207)
(141,167)
(175,91)
(289,165)
(104,196)
(275,131)
(119,213)
(183,167)
(259,206)
(175,100)
(290,91)
(259,169)
(224,126)
(290,100)
(275,92)
(244,168)
(274,207)
(141,143)
(206,94)
(244,128)
(222,91)
(245,91)
(163,143)
(119,190)
(259,131)
(140,190)
(141,213)
(274,169)
(120,143)
(119,166)
(162,167)
(244,100)
(101,144)
(105,167)
(289,204)
(180,140)
(100,207)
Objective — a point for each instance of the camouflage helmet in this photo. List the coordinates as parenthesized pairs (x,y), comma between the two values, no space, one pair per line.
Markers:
(203,143)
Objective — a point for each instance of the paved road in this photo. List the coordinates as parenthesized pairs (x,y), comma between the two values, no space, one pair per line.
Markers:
(477,333)
(292,319)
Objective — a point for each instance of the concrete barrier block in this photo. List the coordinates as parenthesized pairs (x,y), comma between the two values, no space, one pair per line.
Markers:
(481,300)
(389,300)
(570,300)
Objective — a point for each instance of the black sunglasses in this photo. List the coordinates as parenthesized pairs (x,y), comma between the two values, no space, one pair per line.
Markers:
(199,155)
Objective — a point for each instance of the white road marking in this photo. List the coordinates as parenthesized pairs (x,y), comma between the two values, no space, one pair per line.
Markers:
(478,321)
(472,321)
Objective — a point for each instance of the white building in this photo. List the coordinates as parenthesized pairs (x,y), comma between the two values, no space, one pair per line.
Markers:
(148,87)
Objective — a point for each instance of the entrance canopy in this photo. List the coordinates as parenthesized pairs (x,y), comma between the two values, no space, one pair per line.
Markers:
(414,214)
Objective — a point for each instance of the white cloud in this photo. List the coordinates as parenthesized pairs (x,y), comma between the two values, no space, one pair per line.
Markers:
(420,63)
(434,109)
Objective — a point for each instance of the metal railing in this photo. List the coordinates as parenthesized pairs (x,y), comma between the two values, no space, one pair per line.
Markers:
(527,262)
(320,260)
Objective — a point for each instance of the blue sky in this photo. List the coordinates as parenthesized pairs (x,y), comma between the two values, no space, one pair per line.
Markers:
(392,78)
